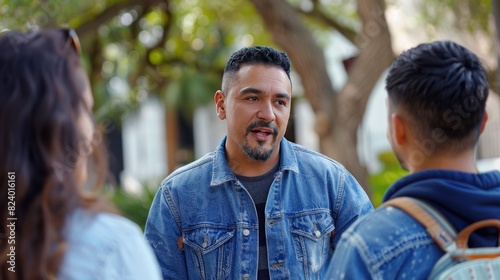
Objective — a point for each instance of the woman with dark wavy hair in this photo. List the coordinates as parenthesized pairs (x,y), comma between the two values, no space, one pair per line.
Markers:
(50,226)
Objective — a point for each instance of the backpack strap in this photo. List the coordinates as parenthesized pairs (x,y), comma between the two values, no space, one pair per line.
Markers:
(436,224)
(463,236)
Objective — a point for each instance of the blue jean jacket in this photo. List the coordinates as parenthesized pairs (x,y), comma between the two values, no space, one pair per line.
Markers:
(203,223)
(389,244)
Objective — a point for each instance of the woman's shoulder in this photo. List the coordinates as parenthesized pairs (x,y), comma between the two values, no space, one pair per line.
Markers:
(89,226)
(106,244)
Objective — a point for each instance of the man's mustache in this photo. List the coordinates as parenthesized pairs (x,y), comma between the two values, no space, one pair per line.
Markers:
(262,124)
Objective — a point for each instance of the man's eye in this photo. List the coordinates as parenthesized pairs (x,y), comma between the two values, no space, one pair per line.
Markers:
(252,98)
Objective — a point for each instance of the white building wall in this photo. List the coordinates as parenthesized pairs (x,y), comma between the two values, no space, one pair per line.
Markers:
(304,125)
(208,130)
(144,151)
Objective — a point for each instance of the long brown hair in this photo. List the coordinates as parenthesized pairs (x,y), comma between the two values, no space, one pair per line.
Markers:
(40,143)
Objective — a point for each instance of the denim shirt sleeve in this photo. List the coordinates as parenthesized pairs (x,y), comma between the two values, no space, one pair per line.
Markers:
(352,203)
(163,232)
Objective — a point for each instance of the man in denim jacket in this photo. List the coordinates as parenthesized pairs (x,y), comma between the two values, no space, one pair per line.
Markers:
(437,94)
(259,206)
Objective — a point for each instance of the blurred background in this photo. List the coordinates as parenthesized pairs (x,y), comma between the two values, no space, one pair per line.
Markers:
(155,65)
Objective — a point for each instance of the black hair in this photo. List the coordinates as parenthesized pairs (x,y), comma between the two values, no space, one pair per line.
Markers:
(443,88)
(257,55)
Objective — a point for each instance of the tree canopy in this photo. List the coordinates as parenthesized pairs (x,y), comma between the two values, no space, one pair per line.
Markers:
(176,49)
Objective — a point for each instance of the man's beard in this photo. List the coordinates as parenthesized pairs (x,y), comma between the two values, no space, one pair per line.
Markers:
(259,153)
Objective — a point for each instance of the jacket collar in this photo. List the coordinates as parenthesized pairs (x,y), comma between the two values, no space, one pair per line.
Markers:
(221,172)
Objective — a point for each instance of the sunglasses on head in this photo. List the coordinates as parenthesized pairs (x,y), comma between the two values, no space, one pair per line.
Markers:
(71,40)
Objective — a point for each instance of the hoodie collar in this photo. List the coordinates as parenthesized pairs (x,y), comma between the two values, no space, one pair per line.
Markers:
(482,181)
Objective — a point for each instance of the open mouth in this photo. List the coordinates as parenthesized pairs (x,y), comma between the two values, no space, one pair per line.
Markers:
(262,135)
(262,131)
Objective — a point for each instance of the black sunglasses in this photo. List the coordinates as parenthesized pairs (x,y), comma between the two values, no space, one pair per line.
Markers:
(71,40)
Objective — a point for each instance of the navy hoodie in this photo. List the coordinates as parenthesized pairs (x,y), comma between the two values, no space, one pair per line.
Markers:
(463,198)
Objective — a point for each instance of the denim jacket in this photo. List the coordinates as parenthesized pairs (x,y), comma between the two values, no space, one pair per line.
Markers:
(389,244)
(203,223)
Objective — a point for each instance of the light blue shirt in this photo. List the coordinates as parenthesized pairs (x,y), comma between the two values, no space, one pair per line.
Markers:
(106,246)
(203,223)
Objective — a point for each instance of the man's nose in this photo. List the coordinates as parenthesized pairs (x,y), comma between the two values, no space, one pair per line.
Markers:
(266,112)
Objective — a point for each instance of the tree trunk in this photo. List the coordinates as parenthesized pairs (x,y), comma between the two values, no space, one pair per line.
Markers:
(338,115)
(296,40)
(172,138)
(375,56)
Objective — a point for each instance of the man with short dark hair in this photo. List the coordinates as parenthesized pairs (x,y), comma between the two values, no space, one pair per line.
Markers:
(436,112)
(259,206)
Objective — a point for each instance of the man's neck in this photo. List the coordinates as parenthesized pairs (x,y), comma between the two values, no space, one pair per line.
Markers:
(464,162)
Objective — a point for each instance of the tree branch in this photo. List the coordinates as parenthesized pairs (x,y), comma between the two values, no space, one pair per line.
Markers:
(283,23)
(318,15)
(167,26)
(144,64)
(110,12)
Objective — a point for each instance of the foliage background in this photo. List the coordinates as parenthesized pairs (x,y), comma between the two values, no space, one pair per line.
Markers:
(176,50)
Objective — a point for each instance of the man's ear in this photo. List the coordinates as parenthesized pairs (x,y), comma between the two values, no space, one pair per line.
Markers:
(220,109)
(485,119)
(399,127)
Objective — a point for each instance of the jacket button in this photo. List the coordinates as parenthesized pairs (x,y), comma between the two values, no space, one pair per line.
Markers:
(246,276)
(246,232)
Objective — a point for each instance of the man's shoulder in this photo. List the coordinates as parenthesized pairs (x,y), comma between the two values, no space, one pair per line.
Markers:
(391,244)
(188,171)
(387,230)
(307,155)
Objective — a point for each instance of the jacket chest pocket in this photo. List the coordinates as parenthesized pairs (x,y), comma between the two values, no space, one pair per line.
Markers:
(211,249)
(311,239)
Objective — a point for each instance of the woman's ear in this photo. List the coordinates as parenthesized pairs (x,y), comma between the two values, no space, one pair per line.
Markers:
(220,109)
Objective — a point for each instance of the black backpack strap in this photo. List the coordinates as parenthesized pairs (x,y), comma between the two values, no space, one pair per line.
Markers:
(436,224)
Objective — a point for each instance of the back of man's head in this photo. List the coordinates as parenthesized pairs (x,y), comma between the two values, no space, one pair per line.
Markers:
(442,88)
